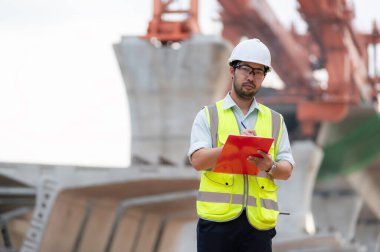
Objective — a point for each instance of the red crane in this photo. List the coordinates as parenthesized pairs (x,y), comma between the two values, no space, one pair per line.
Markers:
(339,49)
(162,26)
(331,43)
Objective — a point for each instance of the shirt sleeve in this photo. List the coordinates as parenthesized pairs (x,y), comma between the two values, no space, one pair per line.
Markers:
(284,149)
(200,134)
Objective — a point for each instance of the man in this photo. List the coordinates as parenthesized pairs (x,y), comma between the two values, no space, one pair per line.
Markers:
(237,212)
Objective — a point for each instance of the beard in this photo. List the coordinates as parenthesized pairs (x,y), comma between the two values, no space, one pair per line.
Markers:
(246,95)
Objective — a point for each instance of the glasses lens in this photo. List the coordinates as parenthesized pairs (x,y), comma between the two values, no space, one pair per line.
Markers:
(258,73)
(247,70)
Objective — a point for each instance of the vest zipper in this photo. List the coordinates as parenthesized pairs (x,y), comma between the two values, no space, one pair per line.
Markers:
(245,190)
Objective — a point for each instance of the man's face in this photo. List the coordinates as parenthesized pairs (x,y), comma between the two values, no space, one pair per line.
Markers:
(247,79)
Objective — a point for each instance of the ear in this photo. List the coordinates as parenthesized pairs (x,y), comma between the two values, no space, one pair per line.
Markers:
(232,72)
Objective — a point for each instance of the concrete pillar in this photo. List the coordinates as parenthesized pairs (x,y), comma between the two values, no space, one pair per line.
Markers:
(187,238)
(366,183)
(337,211)
(368,234)
(295,194)
(166,87)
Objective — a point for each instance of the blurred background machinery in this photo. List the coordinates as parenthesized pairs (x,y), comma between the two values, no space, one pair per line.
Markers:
(170,73)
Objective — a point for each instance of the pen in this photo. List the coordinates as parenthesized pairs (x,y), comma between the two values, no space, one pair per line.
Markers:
(243,125)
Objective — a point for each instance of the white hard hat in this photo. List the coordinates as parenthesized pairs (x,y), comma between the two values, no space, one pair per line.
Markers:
(251,50)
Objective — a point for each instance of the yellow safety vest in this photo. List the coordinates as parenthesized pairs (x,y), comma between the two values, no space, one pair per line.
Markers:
(222,197)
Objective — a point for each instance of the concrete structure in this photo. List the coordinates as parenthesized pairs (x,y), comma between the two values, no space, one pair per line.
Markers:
(295,194)
(134,215)
(368,230)
(330,211)
(109,204)
(336,208)
(166,87)
(151,205)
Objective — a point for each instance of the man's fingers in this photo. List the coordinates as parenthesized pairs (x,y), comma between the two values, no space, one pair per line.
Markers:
(248,132)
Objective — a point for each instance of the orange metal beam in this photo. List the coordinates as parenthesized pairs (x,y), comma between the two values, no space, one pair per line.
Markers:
(256,19)
(332,41)
(344,54)
(330,24)
(172,31)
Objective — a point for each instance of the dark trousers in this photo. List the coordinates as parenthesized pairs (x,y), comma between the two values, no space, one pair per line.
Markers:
(233,236)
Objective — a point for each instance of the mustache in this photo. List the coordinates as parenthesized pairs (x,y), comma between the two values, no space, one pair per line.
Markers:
(249,83)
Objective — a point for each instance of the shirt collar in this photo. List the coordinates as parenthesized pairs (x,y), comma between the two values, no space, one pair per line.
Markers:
(229,103)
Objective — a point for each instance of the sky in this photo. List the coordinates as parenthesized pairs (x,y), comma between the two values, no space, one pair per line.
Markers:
(62,97)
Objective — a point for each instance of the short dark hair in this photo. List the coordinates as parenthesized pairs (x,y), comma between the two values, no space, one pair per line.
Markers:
(266,69)
(234,63)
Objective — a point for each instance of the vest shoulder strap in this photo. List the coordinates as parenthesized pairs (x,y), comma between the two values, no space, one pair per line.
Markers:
(214,121)
(276,128)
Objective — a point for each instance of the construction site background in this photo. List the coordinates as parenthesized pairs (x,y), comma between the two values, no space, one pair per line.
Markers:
(171,72)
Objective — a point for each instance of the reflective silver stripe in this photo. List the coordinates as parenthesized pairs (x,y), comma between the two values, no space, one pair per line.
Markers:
(251,201)
(214,121)
(265,203)
(236,199)
(269,204)
(276,123)
(220,197)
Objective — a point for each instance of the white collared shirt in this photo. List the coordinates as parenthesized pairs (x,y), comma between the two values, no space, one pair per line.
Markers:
(201,135)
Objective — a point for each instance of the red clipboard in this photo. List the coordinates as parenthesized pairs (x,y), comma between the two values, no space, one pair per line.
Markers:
(233,158)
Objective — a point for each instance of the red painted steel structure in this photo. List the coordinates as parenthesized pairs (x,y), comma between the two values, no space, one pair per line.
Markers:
(166,30)
(242,18)
(331,43)
(343,56)
(332,40)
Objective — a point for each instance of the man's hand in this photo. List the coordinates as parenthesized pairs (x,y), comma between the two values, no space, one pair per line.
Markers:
(248,132)
(283,167)
(263,163)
